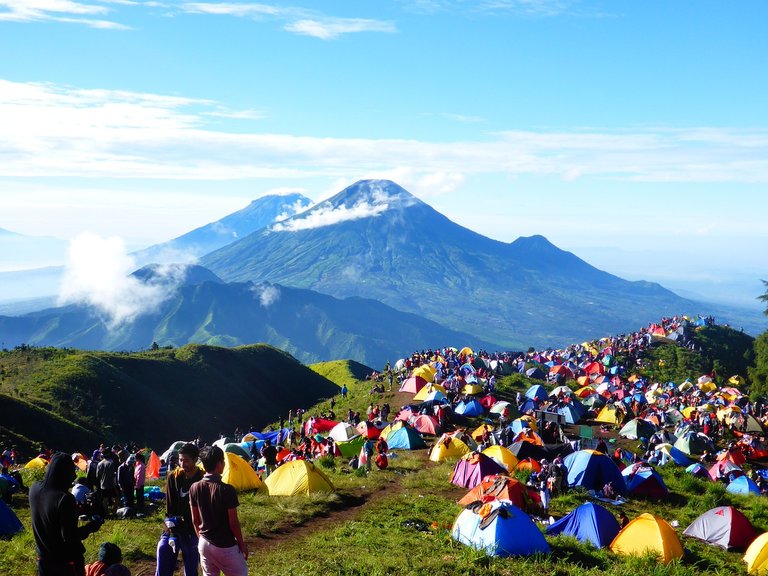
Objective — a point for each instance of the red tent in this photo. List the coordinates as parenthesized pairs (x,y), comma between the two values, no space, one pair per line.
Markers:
(488,401)
(723,526)
(426,425)
(413,384)
(499,487)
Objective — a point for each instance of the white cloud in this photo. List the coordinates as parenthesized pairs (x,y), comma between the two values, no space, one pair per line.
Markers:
(49,130)
(232,9)
(266,293)
(328,215)
(297,20)
(66,11)
(292,209)
(332,28)
(98,272)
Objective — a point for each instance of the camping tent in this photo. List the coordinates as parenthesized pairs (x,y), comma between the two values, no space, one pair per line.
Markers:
(648,533)
(637,428)
(644,481)
(537,392)
(9,522)
(500,529)
(610,415)
(406,438)
(472,468)
(500,487)
(674,454)
(426,424)
(692,443)
(239,473)
(502,455)
(469,408)
(588,523)
(296,478)
(236,448)
(593,470)
(343,432)
(448,447)
(413,384)
(723,526)
(743,485)
(756,556)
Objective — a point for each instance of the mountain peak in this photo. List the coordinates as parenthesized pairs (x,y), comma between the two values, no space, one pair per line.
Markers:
(175,274)
(363,199)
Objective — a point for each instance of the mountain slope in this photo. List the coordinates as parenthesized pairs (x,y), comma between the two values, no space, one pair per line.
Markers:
(258,214)
(160,396)
(376,240)
(311,326)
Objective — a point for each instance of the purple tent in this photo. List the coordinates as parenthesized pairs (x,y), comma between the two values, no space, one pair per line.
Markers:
(472,468)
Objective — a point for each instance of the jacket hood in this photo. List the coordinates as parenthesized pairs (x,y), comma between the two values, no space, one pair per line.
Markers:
(60,472)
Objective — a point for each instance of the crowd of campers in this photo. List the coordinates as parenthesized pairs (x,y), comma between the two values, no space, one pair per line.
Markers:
(512,453)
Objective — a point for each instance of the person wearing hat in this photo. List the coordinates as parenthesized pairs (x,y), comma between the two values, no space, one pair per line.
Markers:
(58,538)
(109,555)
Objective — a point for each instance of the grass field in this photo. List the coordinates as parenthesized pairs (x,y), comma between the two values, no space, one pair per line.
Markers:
(397,521)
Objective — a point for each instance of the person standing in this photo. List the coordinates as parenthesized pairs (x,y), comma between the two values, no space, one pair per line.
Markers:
(179,534)
(269,453)
(125,482)
(213,504)
(140,479)
(58,538)
(106,478)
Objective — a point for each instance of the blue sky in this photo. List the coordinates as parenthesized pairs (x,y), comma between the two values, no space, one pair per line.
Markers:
(634,134)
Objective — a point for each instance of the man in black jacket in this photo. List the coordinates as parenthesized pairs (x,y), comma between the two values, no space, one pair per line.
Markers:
(58,539)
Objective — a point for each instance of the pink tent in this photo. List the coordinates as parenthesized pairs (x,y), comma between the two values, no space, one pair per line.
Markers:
(426,424)
(413,384)
(472,468)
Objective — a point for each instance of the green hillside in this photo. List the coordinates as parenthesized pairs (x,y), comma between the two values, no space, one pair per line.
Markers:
(153,397)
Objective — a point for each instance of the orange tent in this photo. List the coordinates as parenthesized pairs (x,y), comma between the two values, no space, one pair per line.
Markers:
(529,464)
(153,466)
(499,487)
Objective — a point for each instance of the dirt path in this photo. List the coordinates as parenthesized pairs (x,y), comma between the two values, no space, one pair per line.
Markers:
(349,507)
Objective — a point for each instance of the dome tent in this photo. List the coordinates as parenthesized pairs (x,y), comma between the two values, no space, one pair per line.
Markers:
(499,528)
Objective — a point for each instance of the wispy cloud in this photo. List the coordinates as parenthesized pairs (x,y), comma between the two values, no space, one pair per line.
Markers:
(297,20)
(67,11)
(325,215)
(331,28)
(49,130)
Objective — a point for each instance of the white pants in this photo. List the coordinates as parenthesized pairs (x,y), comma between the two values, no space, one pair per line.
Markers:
(215,560)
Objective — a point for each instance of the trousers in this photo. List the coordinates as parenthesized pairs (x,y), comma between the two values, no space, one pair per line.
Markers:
(167,557)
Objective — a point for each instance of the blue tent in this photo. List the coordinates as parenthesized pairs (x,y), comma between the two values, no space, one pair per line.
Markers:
(533,373)
(470,408)
(743,485)
(405,438)
(573,412)
(527,406)
(9,522)
(588,523)
(642,480)
(537,392)
(505,531)
(593,470)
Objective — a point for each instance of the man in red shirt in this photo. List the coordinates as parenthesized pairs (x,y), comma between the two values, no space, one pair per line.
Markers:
(214,515)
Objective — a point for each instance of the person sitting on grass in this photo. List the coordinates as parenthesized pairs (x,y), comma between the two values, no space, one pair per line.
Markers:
(110,556)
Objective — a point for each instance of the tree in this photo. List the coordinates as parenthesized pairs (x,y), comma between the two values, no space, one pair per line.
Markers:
(764,297)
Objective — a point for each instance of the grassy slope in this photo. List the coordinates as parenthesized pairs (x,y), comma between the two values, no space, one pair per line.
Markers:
(160,396)
(374,541)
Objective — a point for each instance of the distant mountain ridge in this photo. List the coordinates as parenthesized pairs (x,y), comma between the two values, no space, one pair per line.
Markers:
(200,308)
(376,240)
(259,213)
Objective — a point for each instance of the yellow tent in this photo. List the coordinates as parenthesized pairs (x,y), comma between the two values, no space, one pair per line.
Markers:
(708,386)
(503,456)
(425,391)
(609,415)
(648,533)
(736,380)
(582,380)
(471,389)
(239,473)
(477,433)
(296,478)
(425,371)
(688,410)
(756,556)
(448,447)
(36,463)
(389,428)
